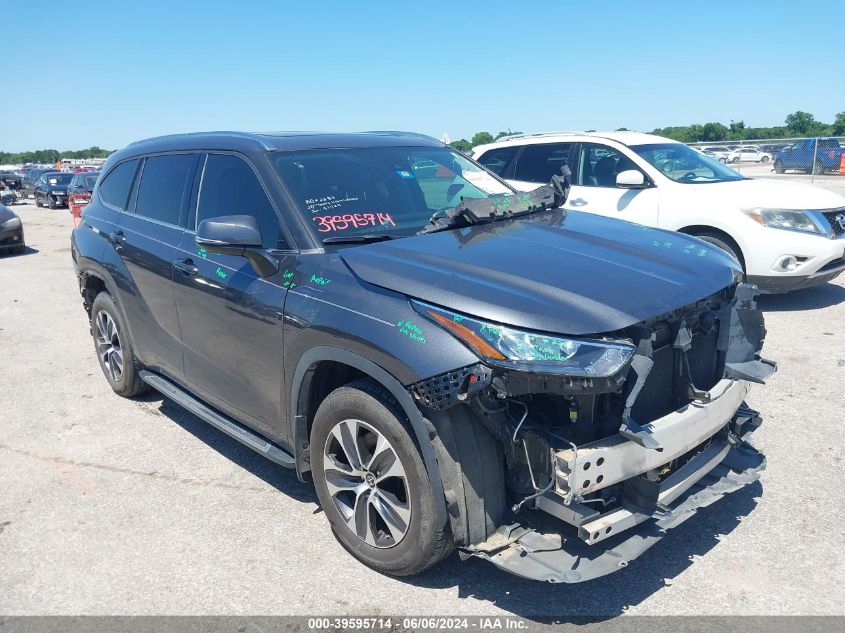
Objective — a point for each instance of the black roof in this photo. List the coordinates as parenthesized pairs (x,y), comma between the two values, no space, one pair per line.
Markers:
(275,141)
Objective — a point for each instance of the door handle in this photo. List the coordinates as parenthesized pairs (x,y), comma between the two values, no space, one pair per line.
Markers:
(117,238)
(186,266)
(578,202)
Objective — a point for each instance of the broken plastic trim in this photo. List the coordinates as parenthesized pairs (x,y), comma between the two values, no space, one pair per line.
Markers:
(479,210)
(555,557)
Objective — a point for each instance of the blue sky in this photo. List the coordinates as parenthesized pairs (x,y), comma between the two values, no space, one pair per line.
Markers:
(118,71)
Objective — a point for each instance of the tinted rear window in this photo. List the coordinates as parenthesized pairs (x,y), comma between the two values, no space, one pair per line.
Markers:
(114,190)
(538,163)
(164,183)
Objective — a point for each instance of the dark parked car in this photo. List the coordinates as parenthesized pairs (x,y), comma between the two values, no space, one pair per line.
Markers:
(451,362)
(51,189)
(11,231)
(11,182)
(30,178)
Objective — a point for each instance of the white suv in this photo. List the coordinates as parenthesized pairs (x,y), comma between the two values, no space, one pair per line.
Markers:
(786,235)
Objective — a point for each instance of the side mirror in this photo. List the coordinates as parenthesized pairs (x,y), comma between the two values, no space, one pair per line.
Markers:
(630,179)
(237,235)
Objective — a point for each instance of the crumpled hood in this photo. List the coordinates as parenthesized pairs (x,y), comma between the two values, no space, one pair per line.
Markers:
(777,194)
(572,273)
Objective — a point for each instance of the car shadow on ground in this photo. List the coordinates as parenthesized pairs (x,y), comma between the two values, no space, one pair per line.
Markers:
(28,250)
(282,479)
(602,598)
(822,296)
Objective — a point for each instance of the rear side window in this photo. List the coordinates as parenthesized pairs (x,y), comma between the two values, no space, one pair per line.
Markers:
(164,184)
(497,160)
(230,187)
(114,190)
(538,163)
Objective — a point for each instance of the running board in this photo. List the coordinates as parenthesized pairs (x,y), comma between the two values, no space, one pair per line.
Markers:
(219,421)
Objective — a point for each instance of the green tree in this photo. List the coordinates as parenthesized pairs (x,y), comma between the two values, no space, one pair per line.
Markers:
(622,129)
(713,132)
(801,123)
(482,138)
(838,128)
(503,134)
(462,145)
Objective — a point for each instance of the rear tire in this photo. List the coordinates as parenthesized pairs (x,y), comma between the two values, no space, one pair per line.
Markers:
(114,350)
(372,482)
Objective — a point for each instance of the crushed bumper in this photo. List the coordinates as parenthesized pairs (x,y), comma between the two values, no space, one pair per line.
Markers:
(585,544)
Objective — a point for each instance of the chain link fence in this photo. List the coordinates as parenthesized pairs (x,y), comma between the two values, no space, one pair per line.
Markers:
(817,157)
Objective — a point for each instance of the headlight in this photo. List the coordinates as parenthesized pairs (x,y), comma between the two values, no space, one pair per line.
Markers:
(13,223)
(791,220)
(528,351)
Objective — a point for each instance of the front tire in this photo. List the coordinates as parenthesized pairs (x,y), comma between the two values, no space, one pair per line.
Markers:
(818,167)
(725,243)
(372,482)
(51,201)
(779,168)
(114,350)
(37,201)
(765,159)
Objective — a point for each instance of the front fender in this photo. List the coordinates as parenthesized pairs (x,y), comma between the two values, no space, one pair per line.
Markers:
(300,384)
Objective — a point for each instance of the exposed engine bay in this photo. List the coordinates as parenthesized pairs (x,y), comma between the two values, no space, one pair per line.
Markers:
(615,461)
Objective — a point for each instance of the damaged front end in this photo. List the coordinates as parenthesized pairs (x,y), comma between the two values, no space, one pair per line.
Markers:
(614,440)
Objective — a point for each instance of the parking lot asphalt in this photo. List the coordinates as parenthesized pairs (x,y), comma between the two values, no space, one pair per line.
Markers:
(115,506)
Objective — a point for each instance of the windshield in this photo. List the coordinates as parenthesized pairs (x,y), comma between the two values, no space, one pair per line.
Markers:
(346,193)
(90,181)
(683,164)
(59,179)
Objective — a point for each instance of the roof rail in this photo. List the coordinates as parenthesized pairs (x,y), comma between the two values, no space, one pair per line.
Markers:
(244,135)
(534,135)
(401,133)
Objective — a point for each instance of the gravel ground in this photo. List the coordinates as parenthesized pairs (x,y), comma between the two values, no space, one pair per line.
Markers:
(113,506)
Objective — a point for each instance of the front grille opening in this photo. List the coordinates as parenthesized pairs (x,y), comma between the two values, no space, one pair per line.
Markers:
(665,389)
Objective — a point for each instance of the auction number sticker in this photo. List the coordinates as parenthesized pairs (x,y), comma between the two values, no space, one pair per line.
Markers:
(330,223)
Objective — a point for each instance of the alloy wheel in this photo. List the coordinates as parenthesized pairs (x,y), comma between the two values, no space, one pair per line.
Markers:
(108,345)
(367,483)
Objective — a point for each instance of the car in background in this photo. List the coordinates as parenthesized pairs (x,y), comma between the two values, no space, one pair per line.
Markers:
(11,231)
(774,148)
(51,189)
(79,191)
(749,154)
(786,235)
(806,156)
(11,181)
(30,178)
(718,153)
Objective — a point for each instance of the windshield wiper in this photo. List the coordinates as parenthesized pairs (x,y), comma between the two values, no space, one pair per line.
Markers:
(480,210)
(357,239)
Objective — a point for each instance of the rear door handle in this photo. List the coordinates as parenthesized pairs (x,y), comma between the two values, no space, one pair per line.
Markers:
(186,266)
(578,202)
(117,238)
